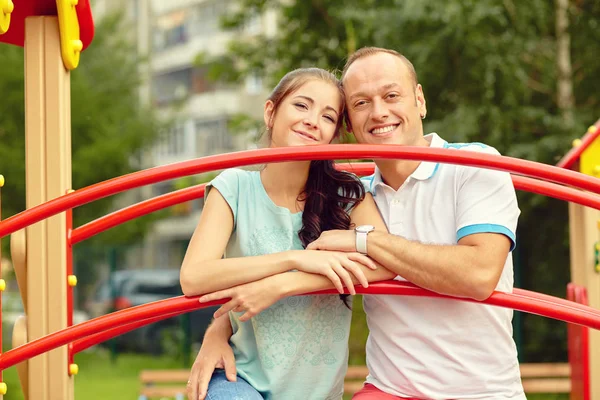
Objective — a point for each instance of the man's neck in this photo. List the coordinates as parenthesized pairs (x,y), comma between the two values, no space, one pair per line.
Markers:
(395,172)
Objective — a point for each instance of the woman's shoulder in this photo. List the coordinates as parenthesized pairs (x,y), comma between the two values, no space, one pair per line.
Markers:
(236,174)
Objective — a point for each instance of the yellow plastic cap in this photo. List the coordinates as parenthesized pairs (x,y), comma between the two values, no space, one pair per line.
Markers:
(3,388)
(576,143)
(2,285)
(73,369)
(6,9)
(592,129)
(1,180)
(72,280)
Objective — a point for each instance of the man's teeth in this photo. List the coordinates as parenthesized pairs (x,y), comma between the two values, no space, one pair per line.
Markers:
(385,129)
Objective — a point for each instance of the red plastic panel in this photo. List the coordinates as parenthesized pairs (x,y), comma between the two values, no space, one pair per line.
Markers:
(31,8)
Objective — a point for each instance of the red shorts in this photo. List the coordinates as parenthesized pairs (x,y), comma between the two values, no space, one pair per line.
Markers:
(370,392)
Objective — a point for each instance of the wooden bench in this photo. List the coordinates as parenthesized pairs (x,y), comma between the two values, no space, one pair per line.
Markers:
(537,378)
(546,378)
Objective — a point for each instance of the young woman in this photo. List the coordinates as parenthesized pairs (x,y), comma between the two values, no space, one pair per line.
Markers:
(296,348)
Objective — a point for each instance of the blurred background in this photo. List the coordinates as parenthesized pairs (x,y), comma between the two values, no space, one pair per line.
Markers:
(167,81)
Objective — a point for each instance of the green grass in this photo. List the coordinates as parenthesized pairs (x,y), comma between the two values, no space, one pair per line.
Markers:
(99,375)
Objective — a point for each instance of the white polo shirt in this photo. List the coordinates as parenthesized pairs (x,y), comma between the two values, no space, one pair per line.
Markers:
(438,348)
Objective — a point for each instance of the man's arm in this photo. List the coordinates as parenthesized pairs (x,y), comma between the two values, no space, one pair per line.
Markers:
(472,267)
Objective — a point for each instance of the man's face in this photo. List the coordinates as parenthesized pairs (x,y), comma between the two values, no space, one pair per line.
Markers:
(384,103)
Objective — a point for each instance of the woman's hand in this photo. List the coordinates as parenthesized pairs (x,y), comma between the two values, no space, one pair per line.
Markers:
(335,265)
(250,298)
(215,353)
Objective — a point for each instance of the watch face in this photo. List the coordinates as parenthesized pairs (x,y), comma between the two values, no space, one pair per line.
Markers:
(365,228)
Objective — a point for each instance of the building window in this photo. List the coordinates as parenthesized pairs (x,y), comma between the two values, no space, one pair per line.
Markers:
(170,30)
(205,18)
(172,86)
(213,137)
(172,143)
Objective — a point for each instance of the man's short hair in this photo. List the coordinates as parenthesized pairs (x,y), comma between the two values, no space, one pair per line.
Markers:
(369,51)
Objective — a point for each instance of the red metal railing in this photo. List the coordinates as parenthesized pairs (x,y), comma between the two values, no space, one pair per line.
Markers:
(103,328)
(170,199)
(217,162)
(117,322)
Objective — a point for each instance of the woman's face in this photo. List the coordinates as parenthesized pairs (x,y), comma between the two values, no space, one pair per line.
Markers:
(307,116)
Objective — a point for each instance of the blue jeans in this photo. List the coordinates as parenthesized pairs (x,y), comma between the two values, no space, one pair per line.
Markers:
(219,388)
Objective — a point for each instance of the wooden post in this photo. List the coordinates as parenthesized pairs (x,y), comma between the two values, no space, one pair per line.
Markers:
(48,175)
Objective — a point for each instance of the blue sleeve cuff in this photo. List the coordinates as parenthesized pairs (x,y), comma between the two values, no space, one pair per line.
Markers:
(487,228)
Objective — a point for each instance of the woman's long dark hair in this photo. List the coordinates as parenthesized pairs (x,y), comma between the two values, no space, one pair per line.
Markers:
(329,194)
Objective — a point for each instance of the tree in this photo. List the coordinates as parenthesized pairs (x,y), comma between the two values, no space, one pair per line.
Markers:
(110,128)
(489,72)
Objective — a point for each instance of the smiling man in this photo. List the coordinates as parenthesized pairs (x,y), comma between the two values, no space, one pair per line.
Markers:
(451,230)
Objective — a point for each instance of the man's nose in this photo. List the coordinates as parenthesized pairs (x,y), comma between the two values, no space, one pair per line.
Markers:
(379,111)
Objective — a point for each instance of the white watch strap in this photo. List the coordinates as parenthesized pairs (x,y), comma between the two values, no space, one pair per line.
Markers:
(361,242)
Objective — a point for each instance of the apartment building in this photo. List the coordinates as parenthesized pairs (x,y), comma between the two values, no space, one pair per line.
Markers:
(172,34)
(179,31)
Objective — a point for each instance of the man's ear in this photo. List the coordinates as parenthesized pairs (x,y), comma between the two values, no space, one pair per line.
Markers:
(269,113)
(421,103)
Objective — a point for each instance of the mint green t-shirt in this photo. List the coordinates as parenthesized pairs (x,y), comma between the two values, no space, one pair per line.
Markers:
(297,348)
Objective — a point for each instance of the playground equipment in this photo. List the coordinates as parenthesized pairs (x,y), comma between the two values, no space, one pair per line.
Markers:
(54,33)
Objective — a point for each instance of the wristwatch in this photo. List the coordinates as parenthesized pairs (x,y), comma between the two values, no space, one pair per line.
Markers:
(361,237)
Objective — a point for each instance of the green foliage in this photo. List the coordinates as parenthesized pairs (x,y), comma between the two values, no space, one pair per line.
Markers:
(110,128)
(488,69)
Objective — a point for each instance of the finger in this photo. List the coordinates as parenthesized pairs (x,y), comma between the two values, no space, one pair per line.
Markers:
(202,382)
(221,294)
(313,245)
(345,276)
(356,271)
(333,277)
(225,308)
(192,387)
(246,316)
(364,260)
(230,370)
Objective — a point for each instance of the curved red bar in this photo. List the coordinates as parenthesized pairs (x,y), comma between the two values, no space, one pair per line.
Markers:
(321,152)
(137,210)
(521,300)
(170,199)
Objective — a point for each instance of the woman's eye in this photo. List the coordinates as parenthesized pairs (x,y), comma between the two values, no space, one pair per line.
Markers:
(330,118)
(302,106)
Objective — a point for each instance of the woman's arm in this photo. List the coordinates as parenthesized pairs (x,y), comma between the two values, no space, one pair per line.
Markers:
(256,296)
(204,269)
(365,213)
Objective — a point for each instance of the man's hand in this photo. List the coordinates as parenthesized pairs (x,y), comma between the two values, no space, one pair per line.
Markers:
(252,297)
(215,353)
(335,240)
